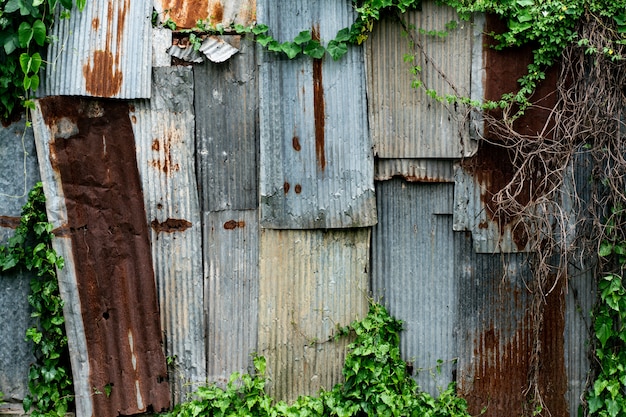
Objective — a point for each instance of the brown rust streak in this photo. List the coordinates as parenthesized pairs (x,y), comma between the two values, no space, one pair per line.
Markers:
(170,225)
(233,224)
(186,13)
(9,222)
(319,111)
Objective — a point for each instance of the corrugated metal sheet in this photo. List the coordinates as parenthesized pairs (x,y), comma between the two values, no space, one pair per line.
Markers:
(103,51)
(87,160)
(316,157)
(404,122)
(218,12)
(415,170)
(413,274)
(231,252)
(311,282)
(496,334)
(18,173)
(164,131)
(227,133)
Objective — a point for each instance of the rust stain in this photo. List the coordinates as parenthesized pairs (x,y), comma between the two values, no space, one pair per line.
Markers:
(170,225)
(186,13)
(95,23)
(165,160)
(233,224)
(319,111)
(155,145)
(102,75)
(295,142)
(112,255)
(298,189)
(9,222)
(286,187)
(216,14)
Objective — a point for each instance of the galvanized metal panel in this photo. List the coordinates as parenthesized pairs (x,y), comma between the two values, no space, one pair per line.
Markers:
(18,173)
(111,62)
(231,253)
(405,122)
(311,282)
(164,131)
(316,158)
(415,170)
(218,12)
(87,160)
(227,133)
(413,274)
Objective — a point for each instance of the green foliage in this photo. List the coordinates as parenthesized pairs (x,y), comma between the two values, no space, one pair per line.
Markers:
(376,384)
(24,34)
(49,379)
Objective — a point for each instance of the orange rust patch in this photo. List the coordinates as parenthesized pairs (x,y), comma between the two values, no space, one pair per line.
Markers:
(217,12)
(155,145)
(319,112)
(95,23)
(101,79)
(233,224)
(170,225)
(186,13)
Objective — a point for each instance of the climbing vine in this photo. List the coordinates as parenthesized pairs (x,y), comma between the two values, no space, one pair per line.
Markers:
(24,34)
(30,248)
(377,383)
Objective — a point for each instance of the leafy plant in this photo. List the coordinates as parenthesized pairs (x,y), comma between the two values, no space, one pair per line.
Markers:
(376,384)
(49,378)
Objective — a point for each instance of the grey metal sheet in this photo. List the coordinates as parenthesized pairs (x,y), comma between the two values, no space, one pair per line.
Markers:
(164,132)
(415,170)
(231,253)
(311,282)
(227,133)
(413,274)
(103,51)
(19,172)
(405,122)
(316,158)
(217,12)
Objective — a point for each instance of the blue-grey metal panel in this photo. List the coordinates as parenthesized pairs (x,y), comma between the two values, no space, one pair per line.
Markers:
(103,51)
(164,132)
(18,173)
(406,122)
(311,282)
(231,253)
(316,157)
(413,274)
(226,105)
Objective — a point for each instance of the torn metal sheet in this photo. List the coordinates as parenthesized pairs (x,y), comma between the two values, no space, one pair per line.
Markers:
(164,132)
(94,199)
(219,13)
(316,157)
(312,281)
(214,48)
(415,170)
(413,275)
(405,122)
(231,253)
(227,131)
(111,61)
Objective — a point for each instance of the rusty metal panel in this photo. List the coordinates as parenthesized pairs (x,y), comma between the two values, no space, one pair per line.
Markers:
(405,122)
(231,252)
(311,282)
(18,173)
(226,105)
(413,274)
(496,333)
(164,131)
(218,12)
(316,157)
(87,160)
(415,170)
(112,61)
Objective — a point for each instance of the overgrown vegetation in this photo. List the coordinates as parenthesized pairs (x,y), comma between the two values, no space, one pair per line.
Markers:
(30,248)
(24,34)
(376,384)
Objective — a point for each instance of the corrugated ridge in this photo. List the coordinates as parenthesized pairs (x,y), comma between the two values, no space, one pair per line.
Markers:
(231,250)
(406,123)
(311,282)
(413,274)
(165,158)
(119,27)
(415,170)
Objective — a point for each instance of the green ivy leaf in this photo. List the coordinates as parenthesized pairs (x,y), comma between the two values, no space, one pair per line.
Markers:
(604,328)
(314,49)
(302,38)
(25,34)
(343,35)
(337,49)
(291,49)
(260,29)
(39,32)
(606,249)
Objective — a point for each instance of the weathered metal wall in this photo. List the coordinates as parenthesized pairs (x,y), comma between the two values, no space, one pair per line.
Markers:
(316,160)
(311,281)
(218,12)
(164,132)
(18,173)
(86,152)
